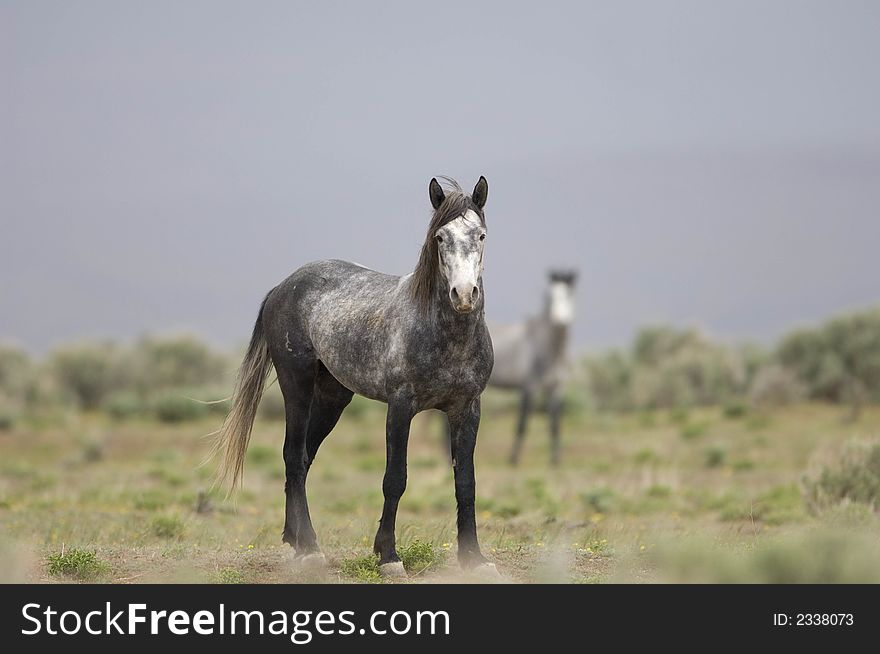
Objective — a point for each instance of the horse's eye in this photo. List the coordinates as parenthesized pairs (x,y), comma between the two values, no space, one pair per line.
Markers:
(482,237)
(439,239)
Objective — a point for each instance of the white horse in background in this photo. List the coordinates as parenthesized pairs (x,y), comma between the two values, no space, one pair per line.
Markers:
(531,357)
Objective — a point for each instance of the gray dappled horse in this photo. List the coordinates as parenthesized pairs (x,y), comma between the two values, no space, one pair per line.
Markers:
(531,357)
(417,342)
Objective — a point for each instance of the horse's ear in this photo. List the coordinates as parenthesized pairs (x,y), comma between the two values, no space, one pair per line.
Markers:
(481,192)
(435,191)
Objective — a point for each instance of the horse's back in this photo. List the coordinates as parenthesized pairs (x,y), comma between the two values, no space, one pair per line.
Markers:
(335,311)
(329,282)
(337,274)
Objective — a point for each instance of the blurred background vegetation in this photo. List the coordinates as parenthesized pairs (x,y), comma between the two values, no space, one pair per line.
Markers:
(178,378)
(665,368)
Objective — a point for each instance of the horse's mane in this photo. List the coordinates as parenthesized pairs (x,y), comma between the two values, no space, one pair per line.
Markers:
(455,204)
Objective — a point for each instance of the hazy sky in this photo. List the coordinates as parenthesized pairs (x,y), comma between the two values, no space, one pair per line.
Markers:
(164,164)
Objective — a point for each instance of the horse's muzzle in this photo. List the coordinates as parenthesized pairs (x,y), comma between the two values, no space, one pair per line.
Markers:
(464,301)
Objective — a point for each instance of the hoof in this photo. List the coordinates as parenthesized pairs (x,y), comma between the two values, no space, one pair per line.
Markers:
(487,571)
(394,569)
(311,561)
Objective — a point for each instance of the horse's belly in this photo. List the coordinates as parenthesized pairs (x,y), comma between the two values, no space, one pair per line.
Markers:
(363,380)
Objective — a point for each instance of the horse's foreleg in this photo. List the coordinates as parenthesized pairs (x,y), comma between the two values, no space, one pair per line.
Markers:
(463,426)
(525,407)
(396,438)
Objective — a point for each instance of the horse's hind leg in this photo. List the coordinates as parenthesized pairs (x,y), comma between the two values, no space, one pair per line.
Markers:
(555,406)
(297,381)
(328,402)
(525,407)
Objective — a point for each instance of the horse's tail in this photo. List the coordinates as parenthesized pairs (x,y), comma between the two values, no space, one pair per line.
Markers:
(235,434)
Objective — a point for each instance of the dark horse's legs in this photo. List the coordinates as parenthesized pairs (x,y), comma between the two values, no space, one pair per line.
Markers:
(297,383)
(525,407)
(313,402)
(463,425)
(397,425)
(554,403)
(328,403)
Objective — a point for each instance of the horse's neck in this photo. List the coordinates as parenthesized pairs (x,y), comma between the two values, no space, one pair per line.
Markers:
(451,325)
(560,340)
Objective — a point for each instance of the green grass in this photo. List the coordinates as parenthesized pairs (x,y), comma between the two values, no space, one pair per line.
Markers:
(776,506)
(419,556)
(230,576)
(168,527)
(78,564)
(7,419)
(659,491)
(855,477)
(646,456)
(599,500)
(715,457)
(735,410)
(743,465)
(151,499)
(175,407)
(363,568)
(693,430)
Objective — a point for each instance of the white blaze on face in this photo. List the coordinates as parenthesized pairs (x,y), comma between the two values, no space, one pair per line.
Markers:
(561,303)
(461,258)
